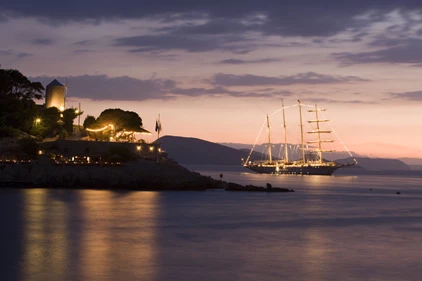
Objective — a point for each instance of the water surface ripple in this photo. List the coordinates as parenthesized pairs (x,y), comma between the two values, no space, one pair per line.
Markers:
(331,228)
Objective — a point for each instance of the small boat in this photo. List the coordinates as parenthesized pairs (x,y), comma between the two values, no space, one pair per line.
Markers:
(311,163)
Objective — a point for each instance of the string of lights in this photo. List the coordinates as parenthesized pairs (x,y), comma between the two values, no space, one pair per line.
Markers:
(286,107)
(99,130)
(256,140)
(335,133)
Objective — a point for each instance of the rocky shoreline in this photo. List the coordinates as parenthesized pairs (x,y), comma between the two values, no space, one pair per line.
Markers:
(136,175)
(269,188)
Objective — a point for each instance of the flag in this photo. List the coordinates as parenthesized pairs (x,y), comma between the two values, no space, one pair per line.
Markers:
(157,125)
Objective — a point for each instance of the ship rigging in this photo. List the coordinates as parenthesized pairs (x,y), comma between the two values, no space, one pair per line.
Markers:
(308,164)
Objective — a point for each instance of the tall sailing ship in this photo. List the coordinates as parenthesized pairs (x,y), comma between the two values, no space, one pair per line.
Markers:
(310,163)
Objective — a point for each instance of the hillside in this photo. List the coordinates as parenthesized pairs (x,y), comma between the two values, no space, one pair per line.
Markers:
(411,161)
(377,164)
(193,151)
(200,152)
(294,150)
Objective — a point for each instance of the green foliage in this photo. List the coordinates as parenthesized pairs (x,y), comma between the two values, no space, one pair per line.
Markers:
(9,132)
(19,113)
(48,123)
(28,145)
(14,83)
(89,121)
(17,107)
(15,112)
(120,119)
(68,116)
(51,114)
(119,153)
(63,134)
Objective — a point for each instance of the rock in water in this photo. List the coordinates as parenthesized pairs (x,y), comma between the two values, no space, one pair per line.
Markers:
(237,187)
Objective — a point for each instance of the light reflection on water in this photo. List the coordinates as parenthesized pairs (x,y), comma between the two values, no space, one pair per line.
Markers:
(43,227)
(107,234)
(331,228)
(119,229)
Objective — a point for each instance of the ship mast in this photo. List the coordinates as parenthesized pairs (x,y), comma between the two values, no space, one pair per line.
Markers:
(319,135)
(286,150)
(301,132)
(269,140)
(318,131)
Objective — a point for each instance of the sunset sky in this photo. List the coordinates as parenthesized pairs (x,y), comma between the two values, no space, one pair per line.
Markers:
(213,69)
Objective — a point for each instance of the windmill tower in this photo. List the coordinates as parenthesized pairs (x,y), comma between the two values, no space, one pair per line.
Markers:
(55,95)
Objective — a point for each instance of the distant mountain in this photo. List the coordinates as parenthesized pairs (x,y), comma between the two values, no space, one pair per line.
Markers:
(195,151)
(294,150)
(411,161)
(415,167)
(237,145)
(377,164)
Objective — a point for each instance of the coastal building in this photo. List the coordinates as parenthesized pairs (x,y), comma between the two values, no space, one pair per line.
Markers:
(55,94)
(80,151)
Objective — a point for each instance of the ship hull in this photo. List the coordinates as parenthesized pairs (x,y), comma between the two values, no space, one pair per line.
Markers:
(296,170)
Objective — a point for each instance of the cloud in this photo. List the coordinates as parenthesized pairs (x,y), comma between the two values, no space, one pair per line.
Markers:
(43,41)
(217,26)
(102,87)
(84,42)
(325,100)
(411,96)
(23,55)
(238,61)
(401,51)
(12,53)
(7,53)
(204,91)
(307,18)
(219,91)
(82,51)
(300,78)
(186,42)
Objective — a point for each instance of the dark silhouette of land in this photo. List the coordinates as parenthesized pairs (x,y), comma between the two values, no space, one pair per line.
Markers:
(193,151)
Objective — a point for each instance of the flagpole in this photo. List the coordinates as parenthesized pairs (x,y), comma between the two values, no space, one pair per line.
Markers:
(157,129)
(158,126)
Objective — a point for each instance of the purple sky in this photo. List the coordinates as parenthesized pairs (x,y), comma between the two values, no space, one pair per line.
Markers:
(213,69)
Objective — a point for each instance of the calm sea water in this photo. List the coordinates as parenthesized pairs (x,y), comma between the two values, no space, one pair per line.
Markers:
(331,228)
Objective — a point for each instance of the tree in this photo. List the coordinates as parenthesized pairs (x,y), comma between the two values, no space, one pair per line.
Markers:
(120,120)
(17,94)
(14,83)
(16,113)
(68,116)
(89,121)
(48,123)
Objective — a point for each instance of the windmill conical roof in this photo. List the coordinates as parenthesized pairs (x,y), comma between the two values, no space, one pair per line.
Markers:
(55,83)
